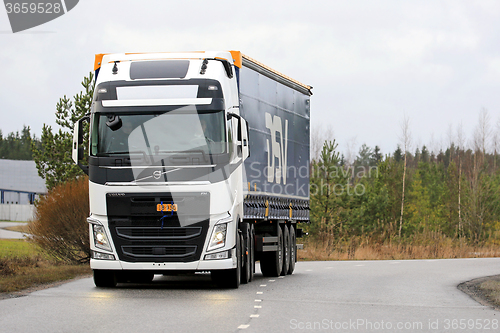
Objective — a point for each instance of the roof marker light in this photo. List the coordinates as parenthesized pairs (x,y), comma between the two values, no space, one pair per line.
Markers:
(102,91)
(115,68)
(213,88)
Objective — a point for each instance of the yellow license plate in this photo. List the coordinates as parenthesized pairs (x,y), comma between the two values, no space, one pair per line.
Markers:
(166,207)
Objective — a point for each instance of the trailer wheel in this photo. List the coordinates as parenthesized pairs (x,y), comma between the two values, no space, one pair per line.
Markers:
(104,278)
(293,250)
(246,269)
(286,250)
(230,278)
(271,262)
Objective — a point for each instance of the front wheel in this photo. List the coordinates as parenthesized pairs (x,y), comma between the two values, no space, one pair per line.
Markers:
(230,278)
(105,278)
(247,257)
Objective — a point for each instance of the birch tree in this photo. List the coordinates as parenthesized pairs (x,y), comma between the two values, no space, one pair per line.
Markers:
(405,139)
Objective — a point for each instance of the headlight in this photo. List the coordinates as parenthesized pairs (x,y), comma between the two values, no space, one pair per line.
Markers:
(100,238)
(218,238)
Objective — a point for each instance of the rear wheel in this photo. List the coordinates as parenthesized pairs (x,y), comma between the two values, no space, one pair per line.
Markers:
(286,250)
(230,278)
(271,262)
(293,250)
(104,278)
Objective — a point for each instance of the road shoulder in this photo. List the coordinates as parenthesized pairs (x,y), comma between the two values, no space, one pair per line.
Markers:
(26,292)
(472,288)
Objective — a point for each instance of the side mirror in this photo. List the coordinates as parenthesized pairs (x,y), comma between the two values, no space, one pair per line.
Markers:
(245,142)
(77,150)
(242,139)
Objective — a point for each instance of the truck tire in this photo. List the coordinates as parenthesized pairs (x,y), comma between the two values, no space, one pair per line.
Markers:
(271,262)
(286,250)
(293,250)
(252,251)
(230,278)
(246,269)
(104,278)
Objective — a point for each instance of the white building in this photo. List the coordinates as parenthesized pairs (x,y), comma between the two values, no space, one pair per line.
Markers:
(19,187)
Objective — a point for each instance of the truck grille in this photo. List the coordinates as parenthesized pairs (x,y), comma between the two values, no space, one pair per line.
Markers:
(164,251)
(142,234)
(158,233)
(143,242)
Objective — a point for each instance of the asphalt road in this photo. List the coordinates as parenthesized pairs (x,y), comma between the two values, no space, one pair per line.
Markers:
(348,296)
(7,234)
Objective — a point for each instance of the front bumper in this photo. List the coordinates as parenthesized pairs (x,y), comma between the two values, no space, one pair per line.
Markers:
(199,265)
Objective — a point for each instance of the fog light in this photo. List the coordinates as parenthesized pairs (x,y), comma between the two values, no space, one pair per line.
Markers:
(218,255)
(102,256)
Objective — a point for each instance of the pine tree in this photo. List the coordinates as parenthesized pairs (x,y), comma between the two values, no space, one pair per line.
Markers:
(53,157)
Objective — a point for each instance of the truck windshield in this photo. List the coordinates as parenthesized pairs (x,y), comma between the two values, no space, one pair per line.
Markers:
(182,130)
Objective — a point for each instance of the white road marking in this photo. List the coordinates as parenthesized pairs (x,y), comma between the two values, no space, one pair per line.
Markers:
(272,280)
(263,285)
(257,306)
(260,293)
(254,316)
(358,265)
(281,277)
(258,300)
(242,327)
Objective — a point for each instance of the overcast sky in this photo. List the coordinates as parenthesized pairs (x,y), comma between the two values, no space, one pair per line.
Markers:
(370,62)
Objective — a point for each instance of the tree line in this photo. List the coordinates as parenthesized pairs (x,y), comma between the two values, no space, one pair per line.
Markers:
(409,195)
(18,146)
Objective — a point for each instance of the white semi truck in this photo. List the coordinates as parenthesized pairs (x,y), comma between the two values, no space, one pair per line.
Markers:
(197,162)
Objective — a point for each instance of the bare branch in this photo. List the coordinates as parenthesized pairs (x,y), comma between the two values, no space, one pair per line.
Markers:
(483,132)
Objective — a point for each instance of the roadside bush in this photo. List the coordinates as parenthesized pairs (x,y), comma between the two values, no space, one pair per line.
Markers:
(60,224)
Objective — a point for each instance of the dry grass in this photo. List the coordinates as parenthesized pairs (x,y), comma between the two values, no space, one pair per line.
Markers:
(36,274)
(361,248)
(20,228)
(492,290)
(23,265)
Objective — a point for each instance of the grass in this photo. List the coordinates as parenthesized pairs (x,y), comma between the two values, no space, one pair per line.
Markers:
(22,265)
(16,248)
(364,248)
(491,289)
(19,228)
